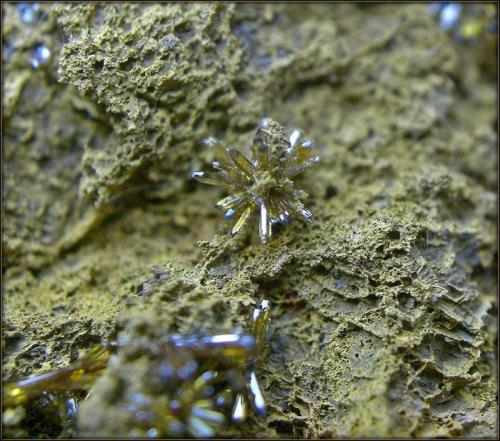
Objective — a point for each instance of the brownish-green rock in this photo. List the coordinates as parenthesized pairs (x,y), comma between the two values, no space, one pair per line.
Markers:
(383,310)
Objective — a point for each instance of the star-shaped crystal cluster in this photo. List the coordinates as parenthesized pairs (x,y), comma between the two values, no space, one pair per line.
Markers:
(265,182)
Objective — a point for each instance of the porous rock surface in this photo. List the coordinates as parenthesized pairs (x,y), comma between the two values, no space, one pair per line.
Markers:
(383,319)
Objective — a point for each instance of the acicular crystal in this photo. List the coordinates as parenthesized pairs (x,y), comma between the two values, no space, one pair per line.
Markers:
(262,183)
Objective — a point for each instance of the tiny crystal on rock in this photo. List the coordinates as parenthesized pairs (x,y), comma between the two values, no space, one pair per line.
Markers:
(40,56)
(263,183)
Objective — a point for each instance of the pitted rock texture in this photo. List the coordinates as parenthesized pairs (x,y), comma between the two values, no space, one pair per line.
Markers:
(46,124)
(164,73)
(375,327)
(383,319)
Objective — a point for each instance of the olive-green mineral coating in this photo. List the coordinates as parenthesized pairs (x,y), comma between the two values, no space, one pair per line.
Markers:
(383,308)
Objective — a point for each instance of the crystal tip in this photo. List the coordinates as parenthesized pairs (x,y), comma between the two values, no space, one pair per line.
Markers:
(264,122)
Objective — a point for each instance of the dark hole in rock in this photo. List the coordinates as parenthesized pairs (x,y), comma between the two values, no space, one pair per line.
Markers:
(197,123)
(184,31)
(394,283)
(405,299)
(330,192)
(43,416)
(59,310)
(220,310)
(184,311)
(160,141)
(241,87)
(398,253)
(87,340)
(127,65)
(148,59)
(36,355)
(394,235)
(407,325)
(320,269)
(98,66)
(13,343)
(282,427)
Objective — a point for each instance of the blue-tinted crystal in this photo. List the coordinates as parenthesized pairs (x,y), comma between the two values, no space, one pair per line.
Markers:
(71,407)
(247,341)
(187,370)
(175,405)
(166,371)
(450,15)
(152,433)
(28,12)
(40,56)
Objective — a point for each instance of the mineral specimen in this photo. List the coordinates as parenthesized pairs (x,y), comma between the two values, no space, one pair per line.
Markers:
(364,344)
(180,384)
(265,182)
(191,384)
(80,375)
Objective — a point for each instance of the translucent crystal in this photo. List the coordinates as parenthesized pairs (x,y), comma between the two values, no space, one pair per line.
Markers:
(264,122)
(240,409)
(28,12)
(265,230)
(197,383)
(228,201)
(208,415)
(258,400)
(40,56)
(243,163)
(241,221)
(294,137)
(152,433)
(263,182)
(199,429)
(450,15)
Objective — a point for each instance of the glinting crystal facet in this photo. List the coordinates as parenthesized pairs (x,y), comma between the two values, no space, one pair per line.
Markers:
(196,383)
(263,183)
